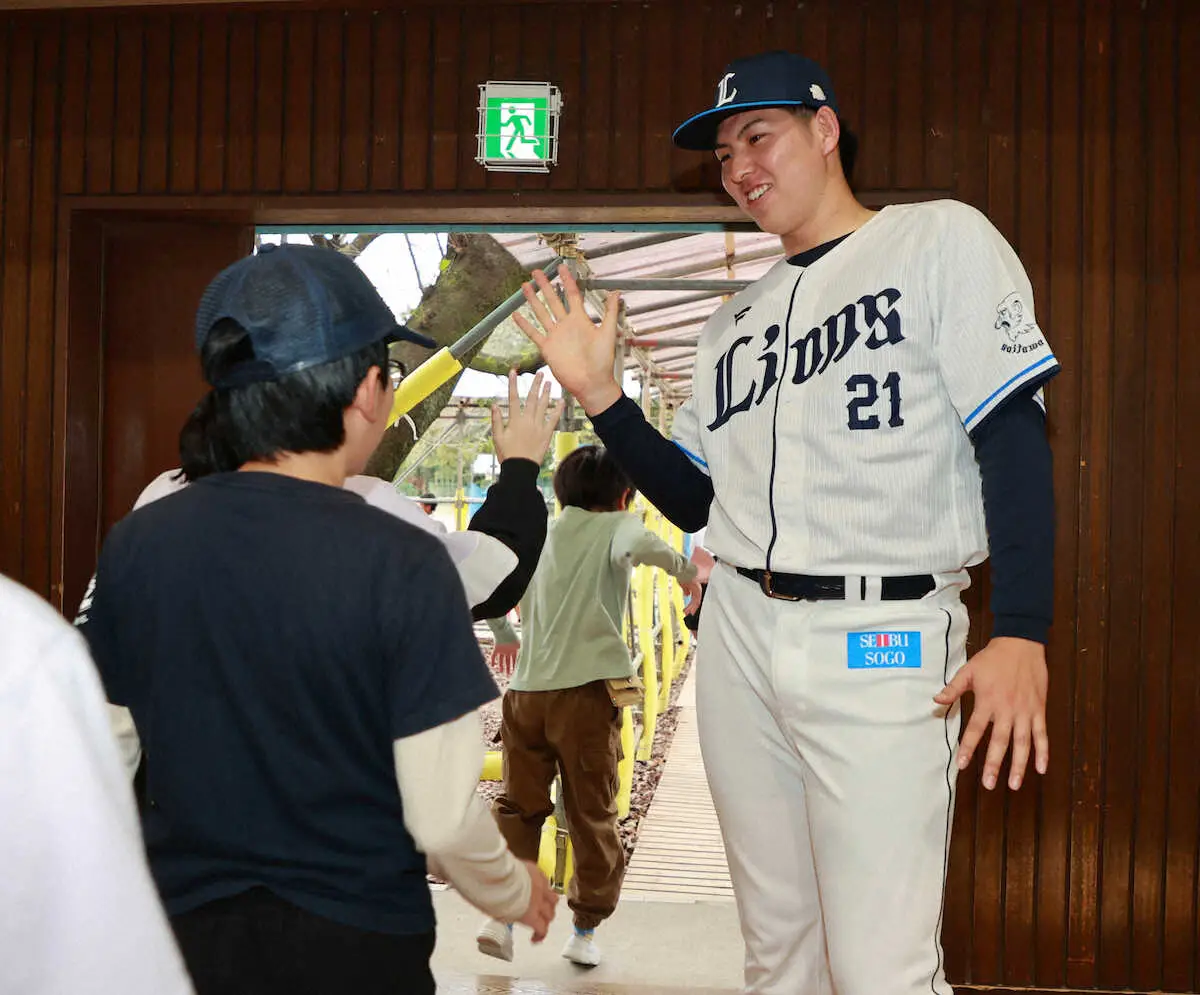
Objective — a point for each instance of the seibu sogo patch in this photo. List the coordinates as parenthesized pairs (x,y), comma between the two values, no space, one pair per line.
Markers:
(883,650)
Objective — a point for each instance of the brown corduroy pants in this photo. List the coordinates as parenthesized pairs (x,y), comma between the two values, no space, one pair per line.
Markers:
(576,731)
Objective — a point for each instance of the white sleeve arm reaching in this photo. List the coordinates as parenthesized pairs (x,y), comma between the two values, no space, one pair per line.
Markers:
(437,771)
(120,721)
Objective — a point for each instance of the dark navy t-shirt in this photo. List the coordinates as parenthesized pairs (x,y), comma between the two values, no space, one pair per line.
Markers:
(272,637)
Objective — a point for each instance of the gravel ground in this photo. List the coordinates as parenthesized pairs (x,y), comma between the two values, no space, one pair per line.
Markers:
(646,773)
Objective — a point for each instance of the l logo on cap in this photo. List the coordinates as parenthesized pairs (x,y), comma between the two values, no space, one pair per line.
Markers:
(817,92)
(724,94)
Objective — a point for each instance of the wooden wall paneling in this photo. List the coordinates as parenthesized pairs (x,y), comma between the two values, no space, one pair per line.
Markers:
(10,550)
(127,122)
(1182,891)
(388,66)
(270,78)
(156,85)
(101,96)
(447,81)
(845,64)
(329,80)
(81,444)
(356,103)
(911,98)
(977,844)
(883,68)
(940,85)
(214,100)
(185,102)
(659,48)
(1035,918)
(1124,678)
(693,80)
(629,114)
(715,55)
(596,110)
(239,140)
(299,84)
(415,124)
(1064,405)
(505,30)
(1004,129)
(1095,511)
(73,115)
(39,367)
(567,42)
(535,61)
(475,68)
(1158,328)
(14,311)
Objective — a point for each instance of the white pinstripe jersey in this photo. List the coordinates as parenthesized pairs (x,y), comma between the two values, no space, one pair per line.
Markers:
(832,403)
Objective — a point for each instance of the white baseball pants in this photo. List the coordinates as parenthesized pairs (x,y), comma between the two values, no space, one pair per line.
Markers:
(833,783)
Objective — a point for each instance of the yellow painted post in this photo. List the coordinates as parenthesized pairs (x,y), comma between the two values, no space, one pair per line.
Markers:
(625,766)
(667,628)
(565,443)
(548,847)
(644,623)
(460,510)
(493,766)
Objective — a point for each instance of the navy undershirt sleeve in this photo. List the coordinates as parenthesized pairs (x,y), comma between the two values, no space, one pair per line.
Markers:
(1018,504)
(513,512)
(657,467)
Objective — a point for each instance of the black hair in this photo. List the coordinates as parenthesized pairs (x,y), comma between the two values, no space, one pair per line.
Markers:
(298,413)
(590,478)
(847,144)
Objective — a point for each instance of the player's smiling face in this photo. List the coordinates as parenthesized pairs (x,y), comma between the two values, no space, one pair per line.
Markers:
(773,166)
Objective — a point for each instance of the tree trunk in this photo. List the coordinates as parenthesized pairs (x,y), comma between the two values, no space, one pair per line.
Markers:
(477,275)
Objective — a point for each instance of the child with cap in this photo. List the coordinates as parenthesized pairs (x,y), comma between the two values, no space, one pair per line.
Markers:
(299,666)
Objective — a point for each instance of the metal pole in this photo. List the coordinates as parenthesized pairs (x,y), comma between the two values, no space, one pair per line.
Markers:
(717,286)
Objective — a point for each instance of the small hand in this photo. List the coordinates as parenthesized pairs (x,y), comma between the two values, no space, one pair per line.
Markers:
(542,899)
(693,592)
(530,426)
(1009,679)
(504,657)
(578,351)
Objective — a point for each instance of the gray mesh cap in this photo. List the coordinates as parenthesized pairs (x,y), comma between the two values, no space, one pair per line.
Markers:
(301,306)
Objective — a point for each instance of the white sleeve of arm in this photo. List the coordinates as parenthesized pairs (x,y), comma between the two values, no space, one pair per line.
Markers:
(120,721)
(437,771)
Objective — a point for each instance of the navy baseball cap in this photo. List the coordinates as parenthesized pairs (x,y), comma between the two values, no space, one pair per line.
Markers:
(772,79)
(301,305)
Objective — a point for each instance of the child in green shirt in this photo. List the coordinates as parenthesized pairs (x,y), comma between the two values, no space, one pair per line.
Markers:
(557,714)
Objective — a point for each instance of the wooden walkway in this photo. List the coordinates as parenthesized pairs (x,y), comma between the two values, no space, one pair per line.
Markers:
(679,856)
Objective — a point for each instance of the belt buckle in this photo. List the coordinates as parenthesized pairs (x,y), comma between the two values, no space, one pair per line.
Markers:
(765,584)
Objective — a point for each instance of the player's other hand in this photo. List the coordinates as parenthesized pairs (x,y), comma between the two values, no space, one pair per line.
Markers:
(1009,679)
(580,352)
(542,899)
(530,426)
(504,657)
(693,592)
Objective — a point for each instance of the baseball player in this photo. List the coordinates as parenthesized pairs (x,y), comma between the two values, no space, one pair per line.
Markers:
(866,422)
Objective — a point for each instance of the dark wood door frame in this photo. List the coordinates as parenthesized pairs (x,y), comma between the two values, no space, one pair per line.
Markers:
(78,368)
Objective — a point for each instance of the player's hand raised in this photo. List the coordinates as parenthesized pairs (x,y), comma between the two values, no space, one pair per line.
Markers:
(579,352)
(1009,679)
(530,426)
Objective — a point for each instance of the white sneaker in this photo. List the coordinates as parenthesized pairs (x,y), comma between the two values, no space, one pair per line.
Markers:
(495,938)
(581,948)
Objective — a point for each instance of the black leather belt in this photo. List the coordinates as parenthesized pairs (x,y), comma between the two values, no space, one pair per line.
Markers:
(808,587)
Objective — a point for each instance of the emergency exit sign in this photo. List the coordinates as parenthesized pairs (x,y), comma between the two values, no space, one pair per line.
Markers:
(518,126)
